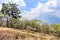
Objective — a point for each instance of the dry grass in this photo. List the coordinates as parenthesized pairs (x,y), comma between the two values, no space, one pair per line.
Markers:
(12,34)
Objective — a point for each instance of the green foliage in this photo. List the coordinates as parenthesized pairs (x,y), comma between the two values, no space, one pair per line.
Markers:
(5,8)
(34,25)
(45,28)
(11,10)
(56,27)
(14,10)
(1,15)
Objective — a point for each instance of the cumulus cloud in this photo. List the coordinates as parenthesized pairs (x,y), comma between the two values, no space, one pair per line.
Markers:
(33,12)
(19,2)
(0,6)
(41,8)
(57,13)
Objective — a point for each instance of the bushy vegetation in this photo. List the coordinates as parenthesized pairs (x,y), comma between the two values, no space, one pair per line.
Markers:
(9,17)
(35,26)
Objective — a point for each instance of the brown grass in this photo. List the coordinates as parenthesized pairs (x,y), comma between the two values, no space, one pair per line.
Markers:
(14,34)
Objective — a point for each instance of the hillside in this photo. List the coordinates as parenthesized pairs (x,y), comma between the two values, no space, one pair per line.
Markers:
(15,34)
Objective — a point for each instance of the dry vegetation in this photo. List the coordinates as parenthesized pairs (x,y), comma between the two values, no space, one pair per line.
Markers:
(29,30)
(12,34)
(12,28)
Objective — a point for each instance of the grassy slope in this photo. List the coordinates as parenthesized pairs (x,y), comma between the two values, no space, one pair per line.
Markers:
(15,34)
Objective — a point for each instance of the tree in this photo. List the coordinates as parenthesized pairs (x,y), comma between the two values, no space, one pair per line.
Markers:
(57,29)
(1,16)
(5,8)
(14,11)
(45,28)
(33,25)
(10,11)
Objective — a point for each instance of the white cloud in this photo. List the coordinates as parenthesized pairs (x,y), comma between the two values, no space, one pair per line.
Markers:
(57,13)
(57,9)
(40,8)
(0,6)
(34,12)
(51,3)
(19,2)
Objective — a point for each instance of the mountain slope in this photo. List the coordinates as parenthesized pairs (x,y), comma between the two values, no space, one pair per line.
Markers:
(15,34)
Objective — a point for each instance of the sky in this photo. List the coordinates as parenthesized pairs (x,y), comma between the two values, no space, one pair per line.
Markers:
(45,10)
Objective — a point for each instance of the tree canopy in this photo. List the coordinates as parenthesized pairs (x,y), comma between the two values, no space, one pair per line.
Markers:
(10,9)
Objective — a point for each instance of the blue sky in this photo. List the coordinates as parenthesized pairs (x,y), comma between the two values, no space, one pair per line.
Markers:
(44,10)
